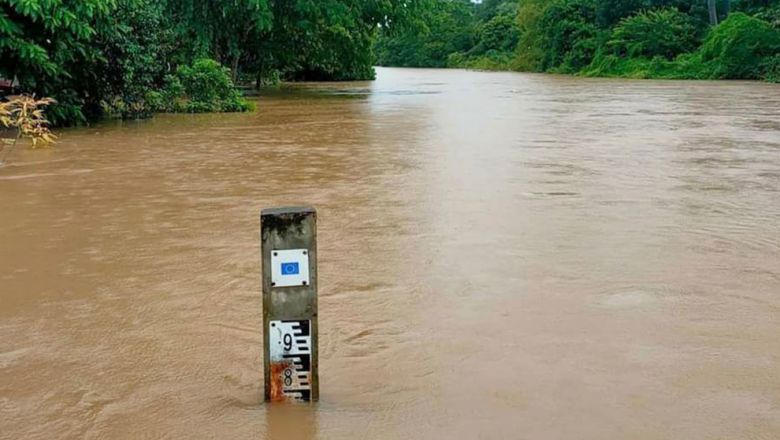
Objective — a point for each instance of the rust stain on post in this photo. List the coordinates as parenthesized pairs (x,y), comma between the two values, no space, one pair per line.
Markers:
(277,374)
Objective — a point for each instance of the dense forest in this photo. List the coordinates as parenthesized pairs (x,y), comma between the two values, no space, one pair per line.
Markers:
(685,39)
(130,58)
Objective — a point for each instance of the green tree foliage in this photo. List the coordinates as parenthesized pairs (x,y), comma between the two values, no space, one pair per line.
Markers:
(115,57)
(737,48)
(496,34)
(529,50)
(771,68)
(135,49)
(320,40)
(664,32)
(569,36)
(328,39)
(635,38)
(740,47)
(128,58)
(205,86)
(767,10)
(457,33)
(49,46)
(223,30)
(500,33)
(610,12)
(443,31)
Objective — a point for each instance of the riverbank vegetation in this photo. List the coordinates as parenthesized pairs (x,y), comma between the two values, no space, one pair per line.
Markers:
(675,39)
(131,58)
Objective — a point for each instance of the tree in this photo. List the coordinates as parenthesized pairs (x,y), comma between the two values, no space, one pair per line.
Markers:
(713,12)
(48,46)
(664,32)
(223,30)
(569,36)
(328,39)
(609,12)
(445,28)
(739,47)
(135,49)
(499,33)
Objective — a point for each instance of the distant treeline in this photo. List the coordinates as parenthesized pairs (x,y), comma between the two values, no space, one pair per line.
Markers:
(685,39)
(130,58)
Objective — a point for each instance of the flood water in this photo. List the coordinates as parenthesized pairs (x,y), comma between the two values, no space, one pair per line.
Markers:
(501,256)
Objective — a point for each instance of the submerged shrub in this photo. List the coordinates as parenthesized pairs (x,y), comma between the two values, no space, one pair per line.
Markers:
(203,87)
(24,114)
(665,32)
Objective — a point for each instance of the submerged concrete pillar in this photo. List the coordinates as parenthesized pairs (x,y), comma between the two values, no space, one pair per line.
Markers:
(289,255)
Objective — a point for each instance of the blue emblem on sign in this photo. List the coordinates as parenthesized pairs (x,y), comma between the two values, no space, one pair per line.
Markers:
(290,269)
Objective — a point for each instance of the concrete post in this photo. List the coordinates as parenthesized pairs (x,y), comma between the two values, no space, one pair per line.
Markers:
(289,254)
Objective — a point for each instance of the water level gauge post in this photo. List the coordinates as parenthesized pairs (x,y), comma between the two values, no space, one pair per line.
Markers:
(289,270)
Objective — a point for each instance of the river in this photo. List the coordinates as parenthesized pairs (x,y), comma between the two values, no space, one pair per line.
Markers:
(501,256)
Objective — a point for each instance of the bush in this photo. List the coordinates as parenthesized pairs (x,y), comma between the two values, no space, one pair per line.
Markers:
(741,47)
(685,66)
(490,60)
(24,115)
(736,48)
(665,32)
(771,68)
(203,87)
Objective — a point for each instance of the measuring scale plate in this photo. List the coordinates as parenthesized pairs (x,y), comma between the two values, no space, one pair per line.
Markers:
(290,351)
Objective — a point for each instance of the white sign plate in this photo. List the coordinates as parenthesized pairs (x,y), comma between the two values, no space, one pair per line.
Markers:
(289,267)
(290,350)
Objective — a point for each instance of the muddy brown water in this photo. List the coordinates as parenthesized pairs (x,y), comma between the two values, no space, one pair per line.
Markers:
(502,256)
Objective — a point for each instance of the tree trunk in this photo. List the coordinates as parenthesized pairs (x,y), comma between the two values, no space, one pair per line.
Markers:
(259,79)
(713,12)
(727,6)
(234,67)
(237,55)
